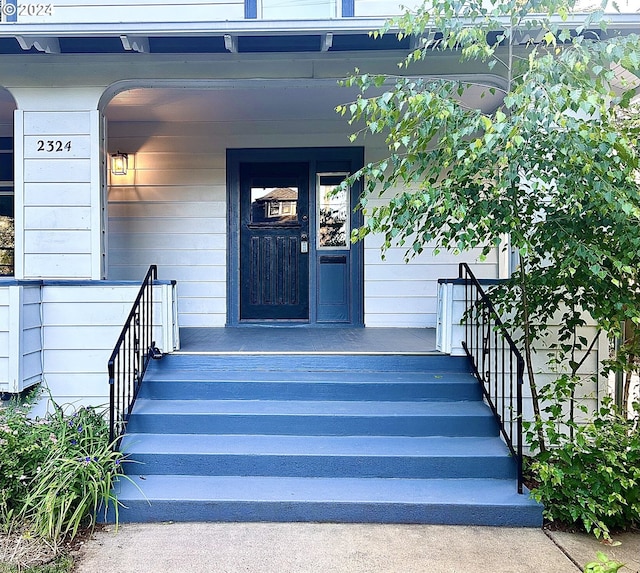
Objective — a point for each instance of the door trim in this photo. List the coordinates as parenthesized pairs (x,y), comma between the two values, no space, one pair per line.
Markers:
(316,158)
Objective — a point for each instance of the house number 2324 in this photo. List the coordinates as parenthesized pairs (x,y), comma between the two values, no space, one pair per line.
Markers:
(53,145)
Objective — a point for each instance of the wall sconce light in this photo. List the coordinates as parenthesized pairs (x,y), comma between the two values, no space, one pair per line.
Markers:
(119,163)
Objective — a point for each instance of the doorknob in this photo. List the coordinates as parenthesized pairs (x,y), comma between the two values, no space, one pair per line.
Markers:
(304,243)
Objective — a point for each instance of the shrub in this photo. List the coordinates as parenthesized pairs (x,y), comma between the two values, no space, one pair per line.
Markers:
(57,471)
(593,480)
(23,448)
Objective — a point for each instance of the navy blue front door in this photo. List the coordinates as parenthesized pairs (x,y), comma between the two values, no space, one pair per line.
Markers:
(290,259)
(274,241)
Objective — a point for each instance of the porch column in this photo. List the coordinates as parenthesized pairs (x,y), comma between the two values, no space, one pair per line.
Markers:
(58,185)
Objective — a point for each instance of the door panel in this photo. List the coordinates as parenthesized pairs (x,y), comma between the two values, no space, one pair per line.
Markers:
(274,235)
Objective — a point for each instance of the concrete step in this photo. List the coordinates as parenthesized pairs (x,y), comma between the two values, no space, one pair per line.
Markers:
(318,456)
(273,385)
(304,362)
(355,500)
(333,438)
(465,418)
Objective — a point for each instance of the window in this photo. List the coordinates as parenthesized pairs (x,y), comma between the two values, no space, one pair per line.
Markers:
(274,205)
(333,212)
(7,231)
(298,9)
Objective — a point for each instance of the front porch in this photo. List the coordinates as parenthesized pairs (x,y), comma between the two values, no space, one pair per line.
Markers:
(292,340)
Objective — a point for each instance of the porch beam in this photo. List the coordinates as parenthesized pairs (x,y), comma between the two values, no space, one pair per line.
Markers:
(135,43)
(625,80)
(46,44)
(327,42)
(231,43)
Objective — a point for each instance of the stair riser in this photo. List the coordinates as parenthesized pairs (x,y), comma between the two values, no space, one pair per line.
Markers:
(312,362)
(292,425)
(322,466)
(329,512)
(308,391)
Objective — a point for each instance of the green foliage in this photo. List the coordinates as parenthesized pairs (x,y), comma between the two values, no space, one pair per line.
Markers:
(554,167)
(602,565)
(23,448)
(57,471)
(62,564)
(593,480)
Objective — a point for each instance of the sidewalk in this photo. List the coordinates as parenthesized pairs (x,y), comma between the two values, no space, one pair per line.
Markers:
(342,548)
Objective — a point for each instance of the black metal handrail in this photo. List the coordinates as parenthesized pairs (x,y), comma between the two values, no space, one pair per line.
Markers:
(130,357)
(496,361)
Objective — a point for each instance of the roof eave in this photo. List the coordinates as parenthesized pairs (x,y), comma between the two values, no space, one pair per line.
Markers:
(626,23)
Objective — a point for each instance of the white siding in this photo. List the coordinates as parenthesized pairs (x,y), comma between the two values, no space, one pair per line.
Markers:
(120,11)
(57,216)
(124,11)
(70,331)
(20,337)
(383,8)
(450,334)
(170,210)
(5,335)
(81,324)
(405,294)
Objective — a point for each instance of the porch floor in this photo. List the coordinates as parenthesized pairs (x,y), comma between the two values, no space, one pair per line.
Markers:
(277,340)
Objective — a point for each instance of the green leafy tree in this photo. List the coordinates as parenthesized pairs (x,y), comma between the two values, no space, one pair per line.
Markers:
(553,167)
(7,233)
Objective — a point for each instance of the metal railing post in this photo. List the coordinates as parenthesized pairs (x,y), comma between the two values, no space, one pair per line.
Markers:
(130,357)
(481,317)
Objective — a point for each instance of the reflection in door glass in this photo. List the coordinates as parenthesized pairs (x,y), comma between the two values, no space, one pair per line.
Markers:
(333,220)
(274,205)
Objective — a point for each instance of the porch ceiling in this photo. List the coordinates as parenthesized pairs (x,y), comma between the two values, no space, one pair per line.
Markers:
(259,100)
(166,104)
(251,101)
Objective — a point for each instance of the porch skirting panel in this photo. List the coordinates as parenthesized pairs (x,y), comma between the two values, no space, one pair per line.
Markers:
(61,333)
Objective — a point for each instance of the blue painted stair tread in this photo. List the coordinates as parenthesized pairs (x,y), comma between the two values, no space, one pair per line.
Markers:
(203,444)
(313,363)
(319,456)
(346,500)
(366,438)
(310,408)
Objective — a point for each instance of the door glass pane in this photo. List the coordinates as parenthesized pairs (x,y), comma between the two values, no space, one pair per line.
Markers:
(333,212)
(274,205)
